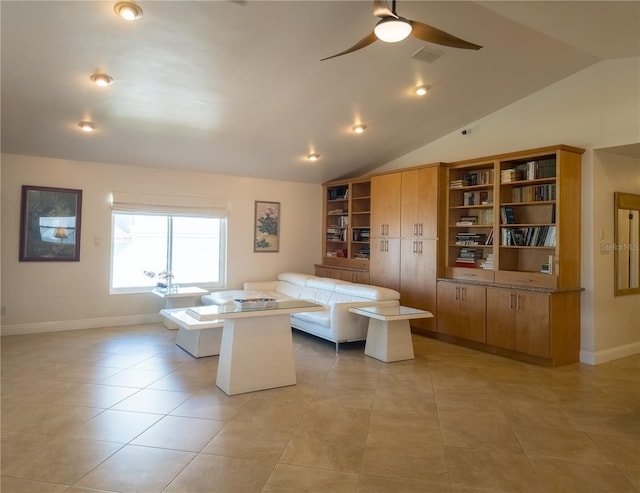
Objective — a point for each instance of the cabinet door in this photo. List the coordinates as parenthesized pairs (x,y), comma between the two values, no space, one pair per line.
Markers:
(420,203)
(472,319)
(532,323)
(418,278)
(501,318)
(359,277)
(384,263)
(385,205)
(447,321)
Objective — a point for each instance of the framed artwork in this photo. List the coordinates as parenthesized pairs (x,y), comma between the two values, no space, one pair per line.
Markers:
(267,227)
(50,224)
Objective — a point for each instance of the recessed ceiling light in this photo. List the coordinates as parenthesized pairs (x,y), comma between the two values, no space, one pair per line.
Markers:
(87,126)
(421,90)
(313,157)
(359,128)
(102,80)
(128,11)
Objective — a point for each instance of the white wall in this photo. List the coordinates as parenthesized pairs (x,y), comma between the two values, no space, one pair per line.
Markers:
(40,296)
(594,108)
(617,319)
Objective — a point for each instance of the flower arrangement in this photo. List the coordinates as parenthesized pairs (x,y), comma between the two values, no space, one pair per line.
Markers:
(165,278)
(268,221)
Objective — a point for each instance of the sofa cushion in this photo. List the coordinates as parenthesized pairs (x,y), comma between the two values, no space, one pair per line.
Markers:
(295,278)
(319,318)
(367,292)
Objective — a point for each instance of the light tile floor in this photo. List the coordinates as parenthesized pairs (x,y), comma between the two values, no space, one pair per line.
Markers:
(123,409)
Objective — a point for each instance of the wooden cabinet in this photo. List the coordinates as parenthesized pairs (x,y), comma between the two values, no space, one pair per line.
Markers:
(419,203)
(518,320)
(385,205)
(347,224)
(543,325)
(384,268)
(345,274)
(461,310)
(418,278)
(405,255)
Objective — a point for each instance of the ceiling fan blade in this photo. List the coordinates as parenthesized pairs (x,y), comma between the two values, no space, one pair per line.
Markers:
(381,9)
(364,42)
(430,34)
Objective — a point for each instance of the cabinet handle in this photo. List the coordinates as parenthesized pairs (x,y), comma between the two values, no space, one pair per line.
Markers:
(420,229)
(386,230)
(518,303)
(386,245)
(382,230)
(462,293)
(468,275)
(382,245)
(510,301)
(457,293)
(420,247)
(524,280)
(415,247)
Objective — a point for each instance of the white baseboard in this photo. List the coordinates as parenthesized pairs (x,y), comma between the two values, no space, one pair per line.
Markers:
(88,323)
(599,357)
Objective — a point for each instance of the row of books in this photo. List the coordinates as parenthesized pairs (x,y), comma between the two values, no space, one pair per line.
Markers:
(337,193)
(484,218)
(486,263)
(472,178)
(471,238)
(480,197)
(532,236)
(534,193)
(507,215)
(531,170)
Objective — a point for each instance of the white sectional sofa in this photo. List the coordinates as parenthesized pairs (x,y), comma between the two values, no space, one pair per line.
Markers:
(335,323)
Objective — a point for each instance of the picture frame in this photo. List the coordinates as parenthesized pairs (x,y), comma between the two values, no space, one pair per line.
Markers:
(50,220)
(266,226)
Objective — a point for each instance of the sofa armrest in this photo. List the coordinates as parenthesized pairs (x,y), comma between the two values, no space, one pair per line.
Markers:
(261,285)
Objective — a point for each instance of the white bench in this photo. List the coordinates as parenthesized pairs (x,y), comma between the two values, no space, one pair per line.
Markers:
(198,338)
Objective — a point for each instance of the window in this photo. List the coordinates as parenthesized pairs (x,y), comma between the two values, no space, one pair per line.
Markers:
(190,243)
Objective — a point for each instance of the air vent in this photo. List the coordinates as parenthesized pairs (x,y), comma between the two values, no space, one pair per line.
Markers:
(428,56)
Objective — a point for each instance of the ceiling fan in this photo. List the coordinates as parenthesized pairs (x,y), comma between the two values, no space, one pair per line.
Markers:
(392,28)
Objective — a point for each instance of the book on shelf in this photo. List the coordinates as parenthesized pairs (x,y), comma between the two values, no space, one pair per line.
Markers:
(540,236)
(534,193)
(457,183)
(489,240)
(464,262)
(480,177)
(507,215)
(467,221)
(486,263)
(477,197)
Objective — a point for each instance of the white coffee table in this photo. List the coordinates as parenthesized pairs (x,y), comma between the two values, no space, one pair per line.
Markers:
(197,338)
(389,334)
(182,297)
(256,352)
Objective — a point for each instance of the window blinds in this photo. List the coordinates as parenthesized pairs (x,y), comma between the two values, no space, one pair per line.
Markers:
(175,205)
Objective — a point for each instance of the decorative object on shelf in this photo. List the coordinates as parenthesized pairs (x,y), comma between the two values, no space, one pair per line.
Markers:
(267,227)
(50,224)
(165,278)
(255,303)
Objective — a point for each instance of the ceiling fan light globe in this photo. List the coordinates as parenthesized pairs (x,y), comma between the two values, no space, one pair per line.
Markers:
(392,30)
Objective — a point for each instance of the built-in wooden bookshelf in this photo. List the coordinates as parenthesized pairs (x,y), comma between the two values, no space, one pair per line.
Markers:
(347,224)
(513,219)
(512,268)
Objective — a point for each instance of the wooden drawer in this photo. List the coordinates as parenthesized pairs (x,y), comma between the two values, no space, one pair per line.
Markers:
(536,279)
(469,274)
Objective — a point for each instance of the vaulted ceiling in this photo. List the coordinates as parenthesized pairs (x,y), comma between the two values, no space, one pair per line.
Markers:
(237,87)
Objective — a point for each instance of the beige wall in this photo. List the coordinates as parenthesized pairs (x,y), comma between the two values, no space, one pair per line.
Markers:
(616,318)
(597,107)
(40,296)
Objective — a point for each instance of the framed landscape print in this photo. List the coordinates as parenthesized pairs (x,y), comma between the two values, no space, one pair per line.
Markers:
(50,224)
(267,227)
